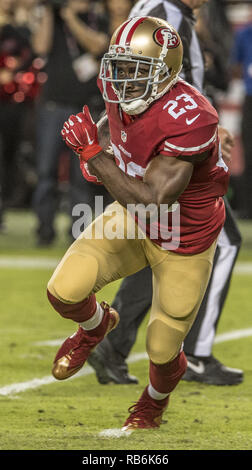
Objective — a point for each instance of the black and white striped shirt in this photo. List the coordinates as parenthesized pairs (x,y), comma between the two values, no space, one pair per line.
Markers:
(181,17)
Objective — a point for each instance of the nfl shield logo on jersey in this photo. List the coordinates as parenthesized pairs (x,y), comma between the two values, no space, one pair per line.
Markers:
(123,136)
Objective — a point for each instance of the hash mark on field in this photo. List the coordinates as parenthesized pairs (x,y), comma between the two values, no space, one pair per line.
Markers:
(114,432)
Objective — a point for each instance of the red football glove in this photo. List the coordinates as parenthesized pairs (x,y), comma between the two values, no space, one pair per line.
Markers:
(87,175)
(80,135)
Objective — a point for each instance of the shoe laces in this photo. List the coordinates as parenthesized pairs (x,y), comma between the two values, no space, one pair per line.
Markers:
(82,342)
(144,412)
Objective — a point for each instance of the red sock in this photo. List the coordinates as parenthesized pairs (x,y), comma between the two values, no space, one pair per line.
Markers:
(165,377)
(77,312)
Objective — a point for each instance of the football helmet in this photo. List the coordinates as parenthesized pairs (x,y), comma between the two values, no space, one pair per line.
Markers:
(154,51)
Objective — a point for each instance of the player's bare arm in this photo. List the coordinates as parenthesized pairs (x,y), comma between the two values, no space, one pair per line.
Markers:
(164,180)
(103,132)
(165,177)
(227,143)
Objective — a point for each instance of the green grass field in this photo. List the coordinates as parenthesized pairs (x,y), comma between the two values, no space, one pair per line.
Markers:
(38,413)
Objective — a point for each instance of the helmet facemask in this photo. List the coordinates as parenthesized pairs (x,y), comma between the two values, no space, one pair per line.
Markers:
(148,74)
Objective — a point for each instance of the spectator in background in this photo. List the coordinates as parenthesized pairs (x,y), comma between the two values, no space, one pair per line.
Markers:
(117,12)
(72,37)
(15,94)
(242,61)
(27,14)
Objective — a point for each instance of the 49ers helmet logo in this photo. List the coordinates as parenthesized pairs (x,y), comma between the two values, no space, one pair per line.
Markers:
(120,50)
(172,38)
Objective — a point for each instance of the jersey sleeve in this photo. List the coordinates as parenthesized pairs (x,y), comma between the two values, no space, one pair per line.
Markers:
(187,122)
(192,142)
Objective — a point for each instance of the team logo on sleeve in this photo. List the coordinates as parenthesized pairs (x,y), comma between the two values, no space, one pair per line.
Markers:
(172,38)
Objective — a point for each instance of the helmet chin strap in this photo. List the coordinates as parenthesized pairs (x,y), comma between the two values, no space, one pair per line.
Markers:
(135,107)
(139,106)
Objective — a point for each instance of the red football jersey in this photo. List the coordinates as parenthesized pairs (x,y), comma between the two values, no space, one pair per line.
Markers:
(180,123)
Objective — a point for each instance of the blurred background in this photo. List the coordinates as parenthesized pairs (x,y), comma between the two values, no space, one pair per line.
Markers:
(49,60)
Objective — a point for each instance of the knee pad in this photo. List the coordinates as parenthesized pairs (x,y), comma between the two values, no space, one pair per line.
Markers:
(74,278)
(182,296)
(163,342)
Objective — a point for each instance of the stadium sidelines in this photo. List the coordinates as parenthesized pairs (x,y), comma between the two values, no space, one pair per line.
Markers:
(13,389)
(27,262)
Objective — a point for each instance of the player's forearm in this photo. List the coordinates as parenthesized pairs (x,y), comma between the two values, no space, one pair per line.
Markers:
(103,132)
(125,189)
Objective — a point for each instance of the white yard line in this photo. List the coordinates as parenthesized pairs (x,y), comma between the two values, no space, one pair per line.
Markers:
(243,268)
(237,334)
(231,335)
(13,389)
(29,262)
(25,262)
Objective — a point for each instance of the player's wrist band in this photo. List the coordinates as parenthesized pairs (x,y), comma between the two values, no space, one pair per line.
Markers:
(89,152)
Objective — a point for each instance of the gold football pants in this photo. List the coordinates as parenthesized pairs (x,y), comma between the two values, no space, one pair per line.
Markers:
(179,281)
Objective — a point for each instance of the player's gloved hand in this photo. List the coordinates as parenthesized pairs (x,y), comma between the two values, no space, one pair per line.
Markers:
(80,135)
(86,173)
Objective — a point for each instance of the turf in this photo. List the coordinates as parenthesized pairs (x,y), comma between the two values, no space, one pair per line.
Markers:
(70,415)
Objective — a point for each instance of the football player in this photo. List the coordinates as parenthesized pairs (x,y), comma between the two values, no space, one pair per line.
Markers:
(165,154)
(134,296)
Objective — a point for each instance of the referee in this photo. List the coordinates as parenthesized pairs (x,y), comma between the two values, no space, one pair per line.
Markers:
(134,297)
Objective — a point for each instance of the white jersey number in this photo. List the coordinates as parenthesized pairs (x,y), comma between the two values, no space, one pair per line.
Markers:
(130,168)
(174,104)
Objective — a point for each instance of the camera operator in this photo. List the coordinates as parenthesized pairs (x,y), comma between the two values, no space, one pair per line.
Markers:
(72,37)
